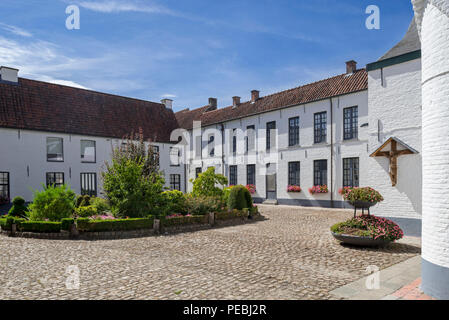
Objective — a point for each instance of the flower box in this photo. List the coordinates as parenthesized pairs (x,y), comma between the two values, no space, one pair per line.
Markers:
(319,189)
(251,188)
(294,189)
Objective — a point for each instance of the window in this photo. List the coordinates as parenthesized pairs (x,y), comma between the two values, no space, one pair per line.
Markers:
(4,187)
(175,182)
(294,174)
(233,175)
(351,123)
(320,172)
(156,155)
(55,149)
(198,171)
(88,151)
(293,131)
(251,174)
(211,146)
(250,138)
(271,135)
(234,142)
(351,172)
(55,179)
(89,184)
(320,127)
(174,156)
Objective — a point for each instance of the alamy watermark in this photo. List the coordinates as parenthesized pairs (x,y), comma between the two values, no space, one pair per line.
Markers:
(73,21)
(373,280)
(373,20)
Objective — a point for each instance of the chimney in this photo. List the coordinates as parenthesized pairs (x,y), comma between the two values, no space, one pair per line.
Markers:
(9,74)
(235,102)
(254,96)
(168,103)
(213,103)
(351,67)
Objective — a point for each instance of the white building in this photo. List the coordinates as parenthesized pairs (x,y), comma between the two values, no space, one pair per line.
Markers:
(53,134)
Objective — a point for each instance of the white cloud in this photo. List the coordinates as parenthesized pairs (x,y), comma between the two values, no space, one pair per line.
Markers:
(15,30)
(113,6)
(168,96)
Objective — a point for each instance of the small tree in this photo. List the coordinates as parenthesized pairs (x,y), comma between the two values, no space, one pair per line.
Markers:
(209,184)
(53,203)
(132,181)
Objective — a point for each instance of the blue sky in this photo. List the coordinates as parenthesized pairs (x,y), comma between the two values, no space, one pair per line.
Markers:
(194,49)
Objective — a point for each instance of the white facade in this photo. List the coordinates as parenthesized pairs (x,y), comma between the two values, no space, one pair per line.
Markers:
(24,157)
(395,111)
(306,152)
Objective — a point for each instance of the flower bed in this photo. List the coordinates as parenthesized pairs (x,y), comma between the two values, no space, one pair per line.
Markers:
(319,189)
(88,225)
(372,227)
(294,189)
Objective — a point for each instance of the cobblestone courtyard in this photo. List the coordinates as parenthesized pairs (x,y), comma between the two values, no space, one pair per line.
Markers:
(290,255)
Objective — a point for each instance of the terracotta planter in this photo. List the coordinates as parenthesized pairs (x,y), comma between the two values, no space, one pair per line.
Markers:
(360,241)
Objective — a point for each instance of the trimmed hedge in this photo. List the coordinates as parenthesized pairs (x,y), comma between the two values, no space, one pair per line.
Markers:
(180,221)
(6,223)
(40,226)
(87,225)
(66,223)
(234,214)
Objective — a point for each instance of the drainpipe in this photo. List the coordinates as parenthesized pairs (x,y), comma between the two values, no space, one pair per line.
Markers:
(222,149)
(332,154)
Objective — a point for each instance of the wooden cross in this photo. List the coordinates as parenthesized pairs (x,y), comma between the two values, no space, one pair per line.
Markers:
(393,155)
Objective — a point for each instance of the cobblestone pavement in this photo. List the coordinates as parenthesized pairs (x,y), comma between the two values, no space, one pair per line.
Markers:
(290,255)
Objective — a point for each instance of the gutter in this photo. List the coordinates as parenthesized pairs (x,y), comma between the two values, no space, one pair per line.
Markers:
(332,154)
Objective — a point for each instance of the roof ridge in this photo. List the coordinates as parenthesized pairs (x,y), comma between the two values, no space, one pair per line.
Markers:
(92,91)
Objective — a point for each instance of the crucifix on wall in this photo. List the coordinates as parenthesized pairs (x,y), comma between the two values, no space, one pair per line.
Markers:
(392,149)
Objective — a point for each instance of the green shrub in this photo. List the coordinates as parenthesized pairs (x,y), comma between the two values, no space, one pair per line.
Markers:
(102,205)
(87,225)
(40,226)
(7,223)
(175,202)
(207,184)
(83,201)
(19,209)
(131,192)
(180,221)
(240,198)
(226,193)
(66,223)
(203,205)
(3,223)
(86,212)
(53,203)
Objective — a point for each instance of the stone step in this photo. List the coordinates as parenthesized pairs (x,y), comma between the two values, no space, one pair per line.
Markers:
(271,202)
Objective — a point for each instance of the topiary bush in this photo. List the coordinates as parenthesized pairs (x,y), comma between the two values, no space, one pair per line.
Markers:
(19,209)
(40,226)
(53,203)
(86,212)
(240,198)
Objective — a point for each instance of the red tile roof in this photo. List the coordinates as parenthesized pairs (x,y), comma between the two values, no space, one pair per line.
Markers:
(335,86)
(36,105)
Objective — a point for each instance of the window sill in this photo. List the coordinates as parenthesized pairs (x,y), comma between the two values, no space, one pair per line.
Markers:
(55,160)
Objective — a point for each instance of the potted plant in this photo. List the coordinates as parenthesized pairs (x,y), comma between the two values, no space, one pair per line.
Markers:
(294,189)
(319,189)
(367,231)
(361,198)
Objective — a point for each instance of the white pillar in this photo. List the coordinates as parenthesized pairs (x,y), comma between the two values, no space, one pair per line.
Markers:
(432,17)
